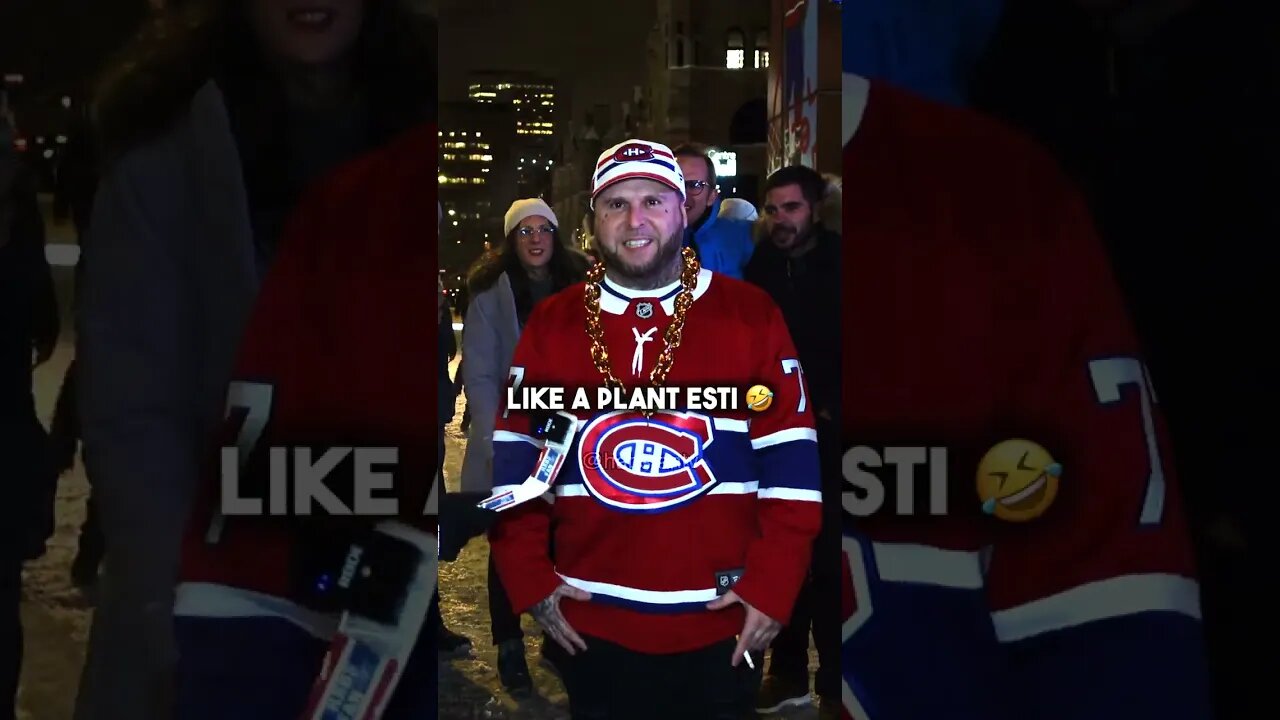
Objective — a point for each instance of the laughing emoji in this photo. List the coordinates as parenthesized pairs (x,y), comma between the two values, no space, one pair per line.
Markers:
(1017,480)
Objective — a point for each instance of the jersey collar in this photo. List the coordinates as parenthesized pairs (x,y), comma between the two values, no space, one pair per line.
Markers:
(615,299)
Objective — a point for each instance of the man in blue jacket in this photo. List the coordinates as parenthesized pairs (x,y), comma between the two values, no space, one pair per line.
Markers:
(723,245)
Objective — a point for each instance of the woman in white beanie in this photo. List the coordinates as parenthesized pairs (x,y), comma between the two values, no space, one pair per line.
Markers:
(533,262)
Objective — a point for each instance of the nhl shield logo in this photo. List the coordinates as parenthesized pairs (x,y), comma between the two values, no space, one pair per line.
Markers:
(644,310)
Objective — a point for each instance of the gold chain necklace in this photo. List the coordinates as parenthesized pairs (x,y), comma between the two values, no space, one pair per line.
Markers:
(595,331)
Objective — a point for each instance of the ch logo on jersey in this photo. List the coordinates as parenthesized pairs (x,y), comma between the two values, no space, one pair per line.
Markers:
(638,465)
(633,152)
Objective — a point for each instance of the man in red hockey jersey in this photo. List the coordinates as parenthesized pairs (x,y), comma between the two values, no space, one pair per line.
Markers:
(680,538)
(332,358)
(1056,583)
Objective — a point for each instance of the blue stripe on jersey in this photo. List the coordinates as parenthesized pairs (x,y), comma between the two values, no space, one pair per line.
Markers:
(926,652)
(923,651)
(792,464)
(1151,664)
(513,460)
(649,608)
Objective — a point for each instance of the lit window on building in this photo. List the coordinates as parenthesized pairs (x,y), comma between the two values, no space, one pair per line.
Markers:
(736,56)
(762,49)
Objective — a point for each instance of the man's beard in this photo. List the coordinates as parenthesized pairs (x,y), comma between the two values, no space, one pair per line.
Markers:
(789,238)
(662,270)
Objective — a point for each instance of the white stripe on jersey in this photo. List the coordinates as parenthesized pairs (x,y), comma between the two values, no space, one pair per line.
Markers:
(925,565)
(720,423)
(782,436)
(508,436)
(652,597)
(725,488)
(211,600)
(1114,597)
(730,425)
(786,493)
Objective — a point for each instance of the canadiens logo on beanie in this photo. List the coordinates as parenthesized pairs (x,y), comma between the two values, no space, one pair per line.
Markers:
(637,159)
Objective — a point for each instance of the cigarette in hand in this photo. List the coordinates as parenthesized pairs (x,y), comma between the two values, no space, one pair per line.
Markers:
(746,655)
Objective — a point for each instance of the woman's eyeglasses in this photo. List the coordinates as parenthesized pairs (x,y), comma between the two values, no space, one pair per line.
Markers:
(527,233)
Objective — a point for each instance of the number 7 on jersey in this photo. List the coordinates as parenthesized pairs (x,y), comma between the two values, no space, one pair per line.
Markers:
(1109,376)
(792,366)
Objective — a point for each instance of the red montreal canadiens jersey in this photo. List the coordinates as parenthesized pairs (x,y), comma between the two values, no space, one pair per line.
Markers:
(647,514)
(338,352)
(979,307)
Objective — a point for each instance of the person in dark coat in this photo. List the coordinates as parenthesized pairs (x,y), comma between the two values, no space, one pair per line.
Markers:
(798,264)
(73,197)
(28,334)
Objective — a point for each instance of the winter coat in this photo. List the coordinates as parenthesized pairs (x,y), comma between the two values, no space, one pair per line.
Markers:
(169,282)
(28,316)
(489,337)
(724,244)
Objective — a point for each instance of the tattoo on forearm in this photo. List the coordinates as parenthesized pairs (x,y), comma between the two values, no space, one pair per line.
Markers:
(544,608)
(548,615)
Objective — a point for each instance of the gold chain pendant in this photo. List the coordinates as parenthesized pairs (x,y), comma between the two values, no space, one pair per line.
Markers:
(672,336)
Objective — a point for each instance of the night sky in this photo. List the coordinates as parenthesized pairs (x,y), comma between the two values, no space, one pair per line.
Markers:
(596,49)
(63,42)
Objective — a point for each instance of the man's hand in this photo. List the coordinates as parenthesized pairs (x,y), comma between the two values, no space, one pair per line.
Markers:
(548,615)
(758,631)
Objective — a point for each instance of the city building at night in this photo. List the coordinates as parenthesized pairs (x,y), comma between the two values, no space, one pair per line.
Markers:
(477,161)
(804,111)
(533,99)
(708,70)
